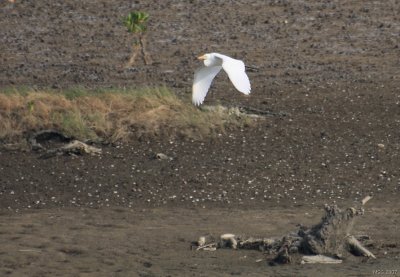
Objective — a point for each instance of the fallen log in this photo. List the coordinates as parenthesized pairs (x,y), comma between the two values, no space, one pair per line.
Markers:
(59,144)
(75,147)
(328,241)
(355,247)
(319,259)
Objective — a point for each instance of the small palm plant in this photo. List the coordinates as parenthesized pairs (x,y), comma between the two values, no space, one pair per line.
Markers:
(135,22)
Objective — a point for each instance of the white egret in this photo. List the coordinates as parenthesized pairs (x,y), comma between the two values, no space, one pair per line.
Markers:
(214,62)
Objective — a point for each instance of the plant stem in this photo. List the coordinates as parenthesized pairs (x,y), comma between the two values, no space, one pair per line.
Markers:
(135,51)
(146,57)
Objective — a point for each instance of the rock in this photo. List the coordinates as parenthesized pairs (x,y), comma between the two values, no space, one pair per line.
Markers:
(161,156)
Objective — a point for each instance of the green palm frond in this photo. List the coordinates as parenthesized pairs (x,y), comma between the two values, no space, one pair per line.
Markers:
(136,21)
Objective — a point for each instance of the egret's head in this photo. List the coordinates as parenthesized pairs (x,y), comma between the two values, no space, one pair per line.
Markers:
(204,57)
(207,59)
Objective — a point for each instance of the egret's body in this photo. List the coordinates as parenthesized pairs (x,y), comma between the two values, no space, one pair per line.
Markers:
(214,62)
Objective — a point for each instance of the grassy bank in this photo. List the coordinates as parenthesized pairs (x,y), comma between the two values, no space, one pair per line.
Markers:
(112,115)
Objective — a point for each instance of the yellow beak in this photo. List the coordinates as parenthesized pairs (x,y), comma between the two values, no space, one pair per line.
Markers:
(202,57)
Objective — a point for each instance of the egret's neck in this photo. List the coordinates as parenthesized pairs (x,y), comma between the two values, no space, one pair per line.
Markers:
(212,61)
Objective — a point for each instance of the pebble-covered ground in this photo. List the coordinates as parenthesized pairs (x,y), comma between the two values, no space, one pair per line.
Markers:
(265,167)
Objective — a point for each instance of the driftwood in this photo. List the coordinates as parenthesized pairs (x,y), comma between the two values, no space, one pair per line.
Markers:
(355,247)
(75,147)
(319,259)
(60,144)
(328,241)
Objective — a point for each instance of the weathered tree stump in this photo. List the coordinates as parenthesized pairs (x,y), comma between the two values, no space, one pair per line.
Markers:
(329,240)
(329,236)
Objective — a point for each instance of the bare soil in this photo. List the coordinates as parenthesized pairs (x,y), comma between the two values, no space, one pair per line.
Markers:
(328,73)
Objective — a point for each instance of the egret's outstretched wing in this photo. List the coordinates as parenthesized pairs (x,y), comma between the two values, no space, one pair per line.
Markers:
(202,81)
(236,73)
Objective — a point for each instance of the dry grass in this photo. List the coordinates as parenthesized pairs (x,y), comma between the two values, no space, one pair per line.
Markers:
(109,115)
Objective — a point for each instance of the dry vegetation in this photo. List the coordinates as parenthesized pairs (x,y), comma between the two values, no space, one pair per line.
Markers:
(109,115)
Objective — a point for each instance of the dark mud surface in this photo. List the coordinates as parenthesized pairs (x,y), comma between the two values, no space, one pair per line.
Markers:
(328,72)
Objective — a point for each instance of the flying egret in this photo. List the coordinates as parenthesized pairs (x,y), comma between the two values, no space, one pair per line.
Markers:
(214,62)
